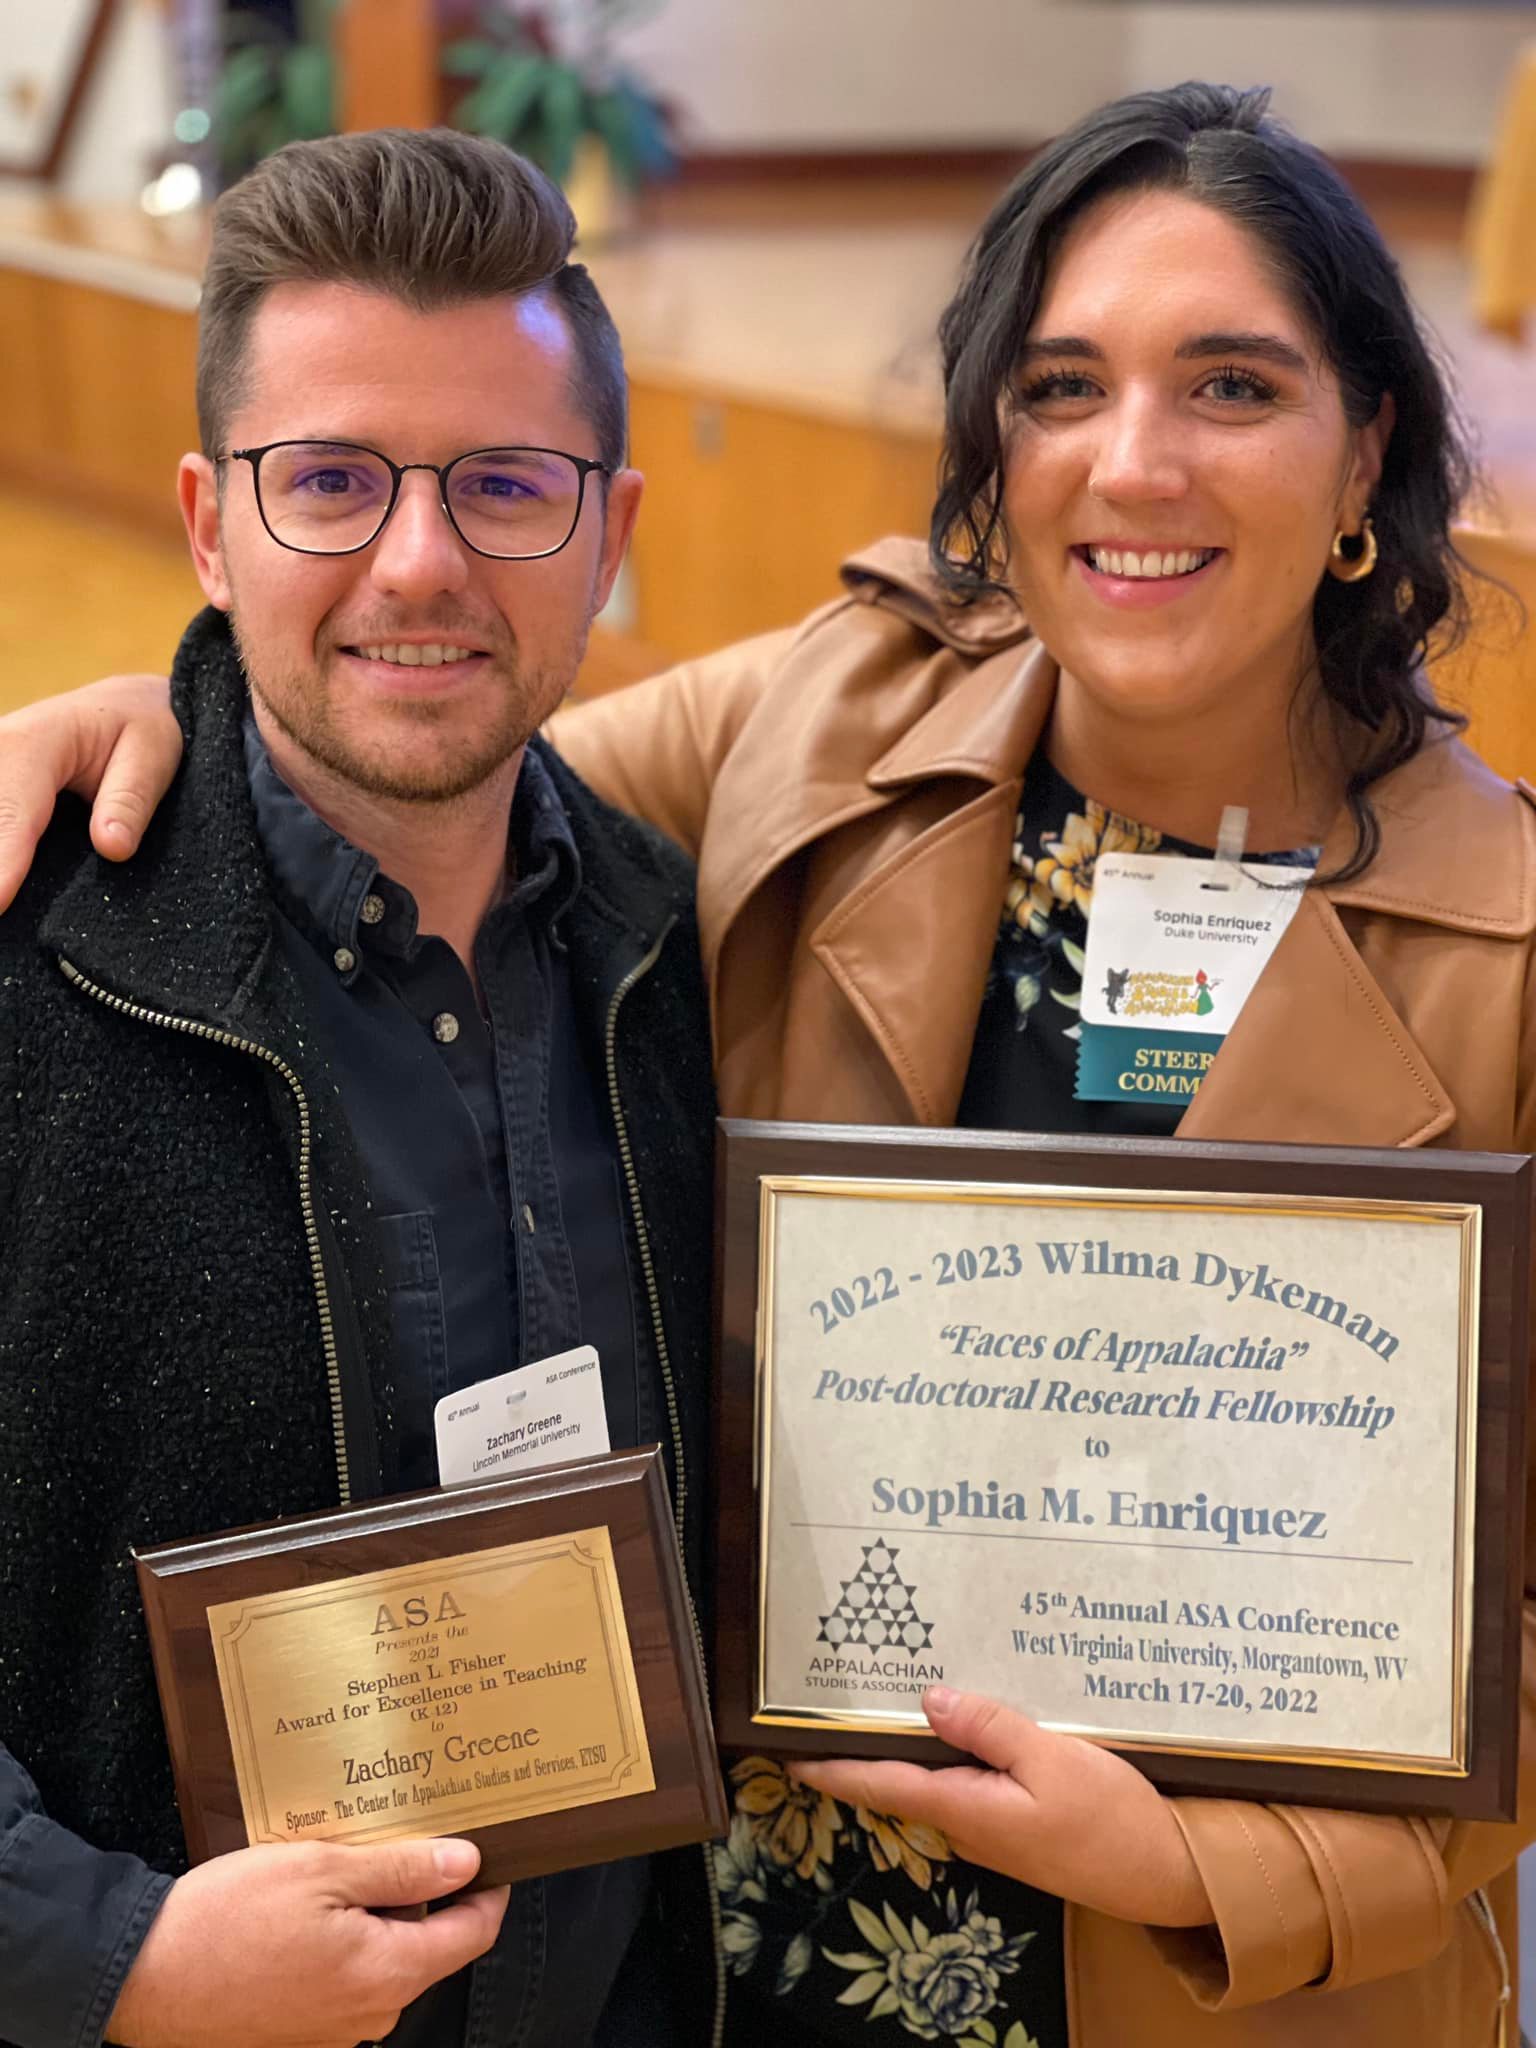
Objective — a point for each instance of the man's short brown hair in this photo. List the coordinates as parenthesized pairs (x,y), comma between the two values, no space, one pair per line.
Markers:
(434,219)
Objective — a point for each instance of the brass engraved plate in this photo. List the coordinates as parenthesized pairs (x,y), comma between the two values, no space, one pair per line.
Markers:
(433,1697)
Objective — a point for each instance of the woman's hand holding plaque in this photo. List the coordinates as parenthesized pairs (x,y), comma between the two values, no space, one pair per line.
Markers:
(1064,1815)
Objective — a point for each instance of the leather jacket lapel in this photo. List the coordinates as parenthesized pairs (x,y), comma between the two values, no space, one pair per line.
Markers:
(911,946)
(1318,1055)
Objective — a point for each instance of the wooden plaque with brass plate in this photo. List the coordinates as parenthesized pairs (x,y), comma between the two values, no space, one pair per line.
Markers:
(1211,1453)
(514,1662)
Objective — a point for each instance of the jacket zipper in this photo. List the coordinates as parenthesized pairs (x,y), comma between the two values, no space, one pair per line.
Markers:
(192,1029)
(1483,1912)
(680,1506)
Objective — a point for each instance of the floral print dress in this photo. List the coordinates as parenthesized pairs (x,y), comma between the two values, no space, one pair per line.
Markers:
(1024,1057)
(844,1925)
(847,1926)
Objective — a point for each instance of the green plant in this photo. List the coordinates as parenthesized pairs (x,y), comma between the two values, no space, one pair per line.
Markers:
(543,76)
(271,89)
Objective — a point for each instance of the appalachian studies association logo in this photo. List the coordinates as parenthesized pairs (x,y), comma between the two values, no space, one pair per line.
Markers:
(876,1610)
(1130,992)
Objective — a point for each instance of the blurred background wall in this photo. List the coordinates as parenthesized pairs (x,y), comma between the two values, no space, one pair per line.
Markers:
(1405,81)
(1398,81)
(775,199)
(128,96)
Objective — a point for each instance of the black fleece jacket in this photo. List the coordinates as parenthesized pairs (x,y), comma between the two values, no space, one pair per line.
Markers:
(162,1371)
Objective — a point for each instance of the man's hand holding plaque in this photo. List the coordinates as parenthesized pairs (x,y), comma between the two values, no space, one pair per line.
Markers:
(349,1963)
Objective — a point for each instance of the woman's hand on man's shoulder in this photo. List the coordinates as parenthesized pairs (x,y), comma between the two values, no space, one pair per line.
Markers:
(114,743)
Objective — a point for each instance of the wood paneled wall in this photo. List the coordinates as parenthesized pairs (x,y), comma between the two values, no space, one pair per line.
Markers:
(750,508)
(1493,676)
(98,397)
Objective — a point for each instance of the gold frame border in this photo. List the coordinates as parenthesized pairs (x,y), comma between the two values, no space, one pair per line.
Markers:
(1466,1216)
(230,1621)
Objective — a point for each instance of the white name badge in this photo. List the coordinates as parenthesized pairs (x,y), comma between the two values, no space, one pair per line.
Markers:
(1176,944)
(539,1414)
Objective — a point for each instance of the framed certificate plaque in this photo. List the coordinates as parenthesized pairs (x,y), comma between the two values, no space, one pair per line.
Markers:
(513,1661)
(1211,1453)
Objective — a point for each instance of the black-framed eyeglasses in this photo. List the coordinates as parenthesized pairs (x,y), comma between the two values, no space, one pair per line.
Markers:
(335,497)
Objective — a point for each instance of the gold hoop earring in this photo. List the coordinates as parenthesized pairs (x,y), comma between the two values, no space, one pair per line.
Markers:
(1356,571)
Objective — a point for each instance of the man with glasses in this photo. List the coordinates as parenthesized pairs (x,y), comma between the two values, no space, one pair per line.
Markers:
(384,1071)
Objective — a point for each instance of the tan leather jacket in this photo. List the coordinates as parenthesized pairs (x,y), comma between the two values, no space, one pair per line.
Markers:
(849,788)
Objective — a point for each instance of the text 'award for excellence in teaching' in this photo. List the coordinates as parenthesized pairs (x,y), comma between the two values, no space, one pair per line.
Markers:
(514,1661)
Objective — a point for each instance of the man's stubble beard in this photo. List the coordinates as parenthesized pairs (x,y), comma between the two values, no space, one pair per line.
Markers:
(303,712)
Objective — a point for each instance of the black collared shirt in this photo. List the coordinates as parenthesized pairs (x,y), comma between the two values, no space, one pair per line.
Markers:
(485,1135)
(488,1146)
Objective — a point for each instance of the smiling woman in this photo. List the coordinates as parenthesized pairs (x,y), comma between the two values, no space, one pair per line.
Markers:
(1172,492)
(1191,551)
(1200,349)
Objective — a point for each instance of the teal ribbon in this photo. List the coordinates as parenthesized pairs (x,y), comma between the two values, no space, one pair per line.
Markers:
(1117,1063)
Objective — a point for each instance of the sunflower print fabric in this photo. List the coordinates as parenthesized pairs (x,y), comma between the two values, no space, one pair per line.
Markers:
(845,1925)
(1050,895)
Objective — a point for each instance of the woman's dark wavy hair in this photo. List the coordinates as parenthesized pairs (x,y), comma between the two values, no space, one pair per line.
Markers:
(1221,146)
